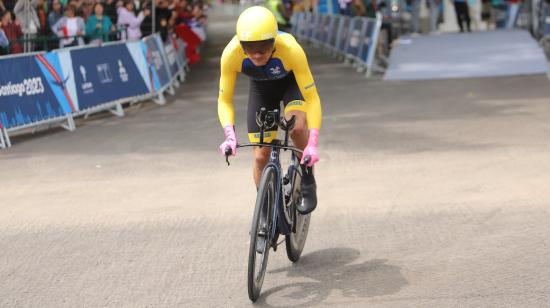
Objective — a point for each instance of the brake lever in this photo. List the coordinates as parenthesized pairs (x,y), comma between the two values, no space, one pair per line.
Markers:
(228,153)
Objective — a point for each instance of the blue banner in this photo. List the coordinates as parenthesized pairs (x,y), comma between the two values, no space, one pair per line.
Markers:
(172,58)
(32,89)
(180,52)
(154,53)
(105,74)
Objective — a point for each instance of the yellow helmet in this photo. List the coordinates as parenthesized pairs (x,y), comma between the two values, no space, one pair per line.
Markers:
(256,23)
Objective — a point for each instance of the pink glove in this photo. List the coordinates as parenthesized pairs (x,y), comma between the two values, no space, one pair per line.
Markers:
(230,140)
(311,148)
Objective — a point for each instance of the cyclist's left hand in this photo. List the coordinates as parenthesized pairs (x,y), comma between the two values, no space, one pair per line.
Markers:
(230,140)
(311,148)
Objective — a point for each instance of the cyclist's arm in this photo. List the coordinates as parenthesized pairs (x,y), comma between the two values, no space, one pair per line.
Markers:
(305,81)
(228,77)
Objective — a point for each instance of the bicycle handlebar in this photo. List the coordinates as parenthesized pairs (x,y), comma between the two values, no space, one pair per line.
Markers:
(269,145)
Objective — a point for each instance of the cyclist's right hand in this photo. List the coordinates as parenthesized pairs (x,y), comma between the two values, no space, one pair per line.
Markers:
(230,141)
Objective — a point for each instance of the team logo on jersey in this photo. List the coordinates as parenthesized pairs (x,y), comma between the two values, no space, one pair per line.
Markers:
(275,70)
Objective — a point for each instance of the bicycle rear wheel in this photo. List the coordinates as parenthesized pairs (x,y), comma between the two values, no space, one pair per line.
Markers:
(295,241)
(260,233)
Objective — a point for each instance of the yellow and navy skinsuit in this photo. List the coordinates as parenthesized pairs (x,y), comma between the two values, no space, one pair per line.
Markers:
(286,77)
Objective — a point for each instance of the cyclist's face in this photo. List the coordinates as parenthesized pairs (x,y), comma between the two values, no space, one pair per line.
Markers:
(258,52)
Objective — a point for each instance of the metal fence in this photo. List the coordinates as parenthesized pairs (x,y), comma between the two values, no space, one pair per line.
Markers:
(354,39)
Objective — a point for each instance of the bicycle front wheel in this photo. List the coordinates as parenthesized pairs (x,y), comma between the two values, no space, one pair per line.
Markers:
(260,233)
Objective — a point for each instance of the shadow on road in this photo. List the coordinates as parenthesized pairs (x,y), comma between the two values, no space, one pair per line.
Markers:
(333,270)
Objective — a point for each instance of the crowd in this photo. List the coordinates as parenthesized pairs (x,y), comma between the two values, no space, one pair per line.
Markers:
(33,25)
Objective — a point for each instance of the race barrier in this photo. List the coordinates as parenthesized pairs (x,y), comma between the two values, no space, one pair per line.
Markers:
(52,88)
(354,39)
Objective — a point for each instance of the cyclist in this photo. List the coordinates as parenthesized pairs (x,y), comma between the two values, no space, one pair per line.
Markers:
(278,71)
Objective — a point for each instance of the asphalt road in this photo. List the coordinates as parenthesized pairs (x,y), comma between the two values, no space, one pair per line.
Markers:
(432,194)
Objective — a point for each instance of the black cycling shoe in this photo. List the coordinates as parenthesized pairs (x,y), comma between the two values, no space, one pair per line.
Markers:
(309,192)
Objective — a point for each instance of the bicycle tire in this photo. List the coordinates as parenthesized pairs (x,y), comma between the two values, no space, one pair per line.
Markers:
(296,240)
(262,216)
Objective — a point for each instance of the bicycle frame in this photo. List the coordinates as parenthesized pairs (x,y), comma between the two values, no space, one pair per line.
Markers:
(278,218)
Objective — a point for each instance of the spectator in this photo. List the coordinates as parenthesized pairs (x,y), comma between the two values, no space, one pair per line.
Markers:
(127,17)
(30,23)
(345,7)
(13,32)
(55,14)
(512,13)
(462,14)
(198,22)
(41,12)
(434,13)
(368,8)
(4,44)
(110,10)
(77,4)
(87,9)
(2,7)
(164,18)
(415,15)
(281,14)
(99,26)
(386,27)
(70,28)
(184,11)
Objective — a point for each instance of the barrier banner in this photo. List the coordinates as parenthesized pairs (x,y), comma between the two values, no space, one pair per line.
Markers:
(155,58)
(325,26)
(32,89)
(343,32)
(333,31)
(171,58)
(369,41)
(303,24)
(182,59)
(136,49)
(357,33)
(105,74)
(312,26)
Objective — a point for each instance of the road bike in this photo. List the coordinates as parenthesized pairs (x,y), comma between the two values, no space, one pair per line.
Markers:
(275,213)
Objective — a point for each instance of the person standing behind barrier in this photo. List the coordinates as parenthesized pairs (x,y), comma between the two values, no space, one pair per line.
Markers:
(55,14)
(111,10)
(345,7)
(99,26)
(70,28)
(281,14)
(165,18)
(13,32)
(462,14)
(30,24)
(415,15)
(434,14)
(4,44)
(512,13)
(127,17)
(198,22)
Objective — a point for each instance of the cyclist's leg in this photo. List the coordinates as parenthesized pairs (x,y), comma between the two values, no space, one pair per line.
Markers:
(262,94)
(295,105)
(261,157)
